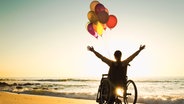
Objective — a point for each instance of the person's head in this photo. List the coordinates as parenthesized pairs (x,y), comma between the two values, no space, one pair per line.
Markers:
(117,55)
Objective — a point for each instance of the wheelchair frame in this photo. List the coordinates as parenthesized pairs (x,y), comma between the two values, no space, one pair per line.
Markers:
(104,91)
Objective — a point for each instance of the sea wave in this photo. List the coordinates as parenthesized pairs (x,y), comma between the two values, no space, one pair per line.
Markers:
(162,100)
(64,80)
(49,80)
(85,80)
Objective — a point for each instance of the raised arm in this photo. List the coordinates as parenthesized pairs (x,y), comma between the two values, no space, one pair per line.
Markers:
(130,58)
(104,59)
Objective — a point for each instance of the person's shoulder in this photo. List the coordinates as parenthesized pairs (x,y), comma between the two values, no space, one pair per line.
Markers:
(124,62)
(112,62)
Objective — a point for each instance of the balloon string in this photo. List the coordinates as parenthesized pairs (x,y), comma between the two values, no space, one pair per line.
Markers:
(106,47)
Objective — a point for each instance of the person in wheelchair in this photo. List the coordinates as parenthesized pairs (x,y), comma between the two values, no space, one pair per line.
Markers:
(117,74)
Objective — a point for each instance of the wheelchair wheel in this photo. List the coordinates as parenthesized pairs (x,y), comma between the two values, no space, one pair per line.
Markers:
(98,94)
(130,96)
(118,101)
(104,92)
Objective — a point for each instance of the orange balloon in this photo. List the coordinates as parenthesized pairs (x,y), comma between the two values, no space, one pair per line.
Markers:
(93,5)
(104,26)
(92,17)
(94,27)
(112,22)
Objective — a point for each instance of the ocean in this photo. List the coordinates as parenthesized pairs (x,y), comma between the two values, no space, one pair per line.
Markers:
(150,90)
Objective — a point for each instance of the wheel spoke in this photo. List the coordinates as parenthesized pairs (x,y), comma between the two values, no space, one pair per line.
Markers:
(131,93)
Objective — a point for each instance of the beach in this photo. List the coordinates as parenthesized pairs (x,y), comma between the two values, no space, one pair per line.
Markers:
(15,98)
(84,91)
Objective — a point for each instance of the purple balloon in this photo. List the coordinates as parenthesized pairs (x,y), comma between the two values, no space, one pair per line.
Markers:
(99,8)
(91,30)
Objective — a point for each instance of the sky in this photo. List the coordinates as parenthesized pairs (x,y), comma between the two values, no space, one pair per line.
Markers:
(48,38)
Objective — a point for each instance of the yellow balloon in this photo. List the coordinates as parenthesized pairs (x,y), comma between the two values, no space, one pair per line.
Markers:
(93,4)
(99,28)
(92,17)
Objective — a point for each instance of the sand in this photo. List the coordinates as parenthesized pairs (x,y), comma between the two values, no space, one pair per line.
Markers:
(14,98)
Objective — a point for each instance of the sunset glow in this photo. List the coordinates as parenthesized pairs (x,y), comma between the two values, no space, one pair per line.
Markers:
(49,38)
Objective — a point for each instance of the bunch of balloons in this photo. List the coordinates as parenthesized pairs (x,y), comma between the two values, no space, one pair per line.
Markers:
(99,19)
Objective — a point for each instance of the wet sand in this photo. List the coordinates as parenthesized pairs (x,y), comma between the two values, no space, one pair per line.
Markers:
(14,98)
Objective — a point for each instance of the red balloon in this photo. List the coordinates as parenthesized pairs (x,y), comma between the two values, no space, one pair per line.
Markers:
(111,23)
(99,8)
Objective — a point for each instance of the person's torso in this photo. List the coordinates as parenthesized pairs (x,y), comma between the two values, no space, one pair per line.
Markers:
(117,72)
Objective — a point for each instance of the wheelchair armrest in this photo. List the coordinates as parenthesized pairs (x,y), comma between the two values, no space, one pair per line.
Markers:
(104,75)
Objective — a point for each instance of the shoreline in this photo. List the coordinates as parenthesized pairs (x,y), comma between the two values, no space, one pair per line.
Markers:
(38,99)
(22,98)
(15,98)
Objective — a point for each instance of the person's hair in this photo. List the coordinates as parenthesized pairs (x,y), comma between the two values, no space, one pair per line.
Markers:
(117,54)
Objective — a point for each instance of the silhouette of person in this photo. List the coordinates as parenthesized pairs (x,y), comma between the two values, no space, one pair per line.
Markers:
(117,74)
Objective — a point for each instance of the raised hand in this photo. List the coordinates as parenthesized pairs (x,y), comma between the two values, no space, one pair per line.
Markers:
(90,48)
(142,47)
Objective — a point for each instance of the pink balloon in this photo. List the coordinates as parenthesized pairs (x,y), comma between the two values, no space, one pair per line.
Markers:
(91,30)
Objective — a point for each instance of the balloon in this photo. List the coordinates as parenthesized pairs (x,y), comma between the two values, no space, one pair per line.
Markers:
(111,23)
(95,27)
(93,5)
(92,17)
(103,17)
(106,10)
(104,26)
(99,8)
(91,30)
(99,19)
(99,28)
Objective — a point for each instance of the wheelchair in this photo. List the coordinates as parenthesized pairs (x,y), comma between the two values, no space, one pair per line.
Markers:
(127,94)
